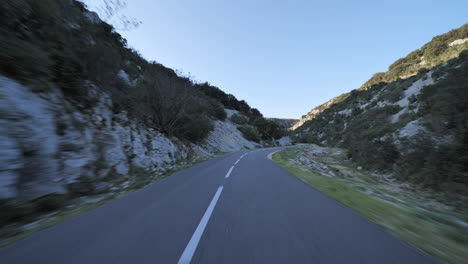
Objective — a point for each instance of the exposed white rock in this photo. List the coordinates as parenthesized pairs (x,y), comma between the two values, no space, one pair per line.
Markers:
(198,151)
(231,112)
(29,120)
(422,61)
(458,42)
(346,112)
(412,128)
(394,118)
(225,137)
(383,103)
(124,76)
(415,89)
(284,141)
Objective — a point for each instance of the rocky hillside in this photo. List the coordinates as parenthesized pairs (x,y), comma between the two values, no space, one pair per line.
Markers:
(80,110)
(441,49)
(410,120)
(49,146)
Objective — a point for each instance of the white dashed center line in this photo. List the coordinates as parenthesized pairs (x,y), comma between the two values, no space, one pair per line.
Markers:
(229,172)
(193,243)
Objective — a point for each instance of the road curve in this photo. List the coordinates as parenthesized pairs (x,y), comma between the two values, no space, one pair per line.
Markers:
(237,208)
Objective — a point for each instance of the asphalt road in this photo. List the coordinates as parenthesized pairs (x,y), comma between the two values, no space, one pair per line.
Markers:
(225,210)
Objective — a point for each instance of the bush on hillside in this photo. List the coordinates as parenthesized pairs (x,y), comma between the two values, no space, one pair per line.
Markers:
(21,60)
(239,119)
(194,128)
(269,129)
(374,155)
(216,110)
(250,132)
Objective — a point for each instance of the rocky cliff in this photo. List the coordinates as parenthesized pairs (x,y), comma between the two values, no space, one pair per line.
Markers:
(52,145)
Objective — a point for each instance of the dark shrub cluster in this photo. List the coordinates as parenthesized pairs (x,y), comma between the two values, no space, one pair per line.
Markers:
(250,132)
(239,119)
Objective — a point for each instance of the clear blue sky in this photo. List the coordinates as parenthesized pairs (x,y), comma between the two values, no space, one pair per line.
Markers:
(286,57)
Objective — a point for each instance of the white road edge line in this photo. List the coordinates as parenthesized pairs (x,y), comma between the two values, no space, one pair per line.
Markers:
(229,172)
(193,243)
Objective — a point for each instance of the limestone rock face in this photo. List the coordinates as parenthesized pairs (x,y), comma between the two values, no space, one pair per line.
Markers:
(284,141)
(458,42)
(28,134)
(48,143)
(226,137)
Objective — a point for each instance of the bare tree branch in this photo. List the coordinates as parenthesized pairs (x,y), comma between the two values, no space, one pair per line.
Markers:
(111,11)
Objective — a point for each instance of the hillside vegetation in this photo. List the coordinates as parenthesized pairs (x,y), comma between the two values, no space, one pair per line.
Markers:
(284,122)
(440,50)
(60,43)
(411,121)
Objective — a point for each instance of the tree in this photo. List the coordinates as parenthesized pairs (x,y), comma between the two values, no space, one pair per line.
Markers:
(163,103)
(111,11)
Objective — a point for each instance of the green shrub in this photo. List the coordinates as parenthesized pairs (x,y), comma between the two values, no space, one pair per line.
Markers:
(216,110)
(268,129)
(84,186)
(22,60)
(239,119)
(13,212)
(194,127)
(67,73)
(250,132)
(17,212)
(49,202)
(376,155)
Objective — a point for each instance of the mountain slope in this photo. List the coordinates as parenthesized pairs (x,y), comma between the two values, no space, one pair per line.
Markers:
(441,49)
(411,120)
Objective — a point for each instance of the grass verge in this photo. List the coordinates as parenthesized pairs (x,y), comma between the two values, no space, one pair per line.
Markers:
(434,232)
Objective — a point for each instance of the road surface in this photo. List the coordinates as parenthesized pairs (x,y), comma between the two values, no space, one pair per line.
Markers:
(237,208)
